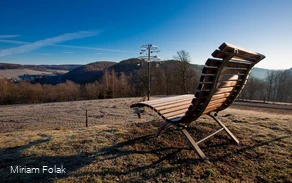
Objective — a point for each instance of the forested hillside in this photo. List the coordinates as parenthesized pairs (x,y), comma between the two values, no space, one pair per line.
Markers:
(129,78)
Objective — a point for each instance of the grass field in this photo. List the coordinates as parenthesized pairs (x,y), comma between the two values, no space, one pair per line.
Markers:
(119,147)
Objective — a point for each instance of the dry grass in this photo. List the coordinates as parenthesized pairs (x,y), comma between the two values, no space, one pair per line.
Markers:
(118,147)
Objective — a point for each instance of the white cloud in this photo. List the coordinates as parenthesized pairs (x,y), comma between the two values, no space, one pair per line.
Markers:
(8,36)
(68,52)
(29,46)
(94,48)
(47,42)
(12,41)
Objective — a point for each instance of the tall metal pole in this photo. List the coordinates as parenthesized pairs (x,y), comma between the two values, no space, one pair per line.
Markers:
(150,49)
(149,78)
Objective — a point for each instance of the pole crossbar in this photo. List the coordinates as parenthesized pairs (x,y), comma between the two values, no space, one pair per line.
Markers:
(150,48)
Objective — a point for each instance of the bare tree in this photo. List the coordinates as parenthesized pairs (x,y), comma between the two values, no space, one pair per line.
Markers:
(282,85)
(158,75)
(254,89)
(123,86)
(91,90)
(270,84)
(185,72)
(8,92)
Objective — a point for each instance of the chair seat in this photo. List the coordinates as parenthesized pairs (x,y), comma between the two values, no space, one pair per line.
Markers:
(169,108)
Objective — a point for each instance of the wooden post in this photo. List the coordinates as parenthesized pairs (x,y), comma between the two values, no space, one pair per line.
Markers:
(86,121)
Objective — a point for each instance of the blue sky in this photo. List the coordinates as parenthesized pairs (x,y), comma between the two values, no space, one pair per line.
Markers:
(80,32)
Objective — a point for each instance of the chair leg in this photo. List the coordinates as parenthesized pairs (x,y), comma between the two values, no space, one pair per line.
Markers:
(225,128)
(164,125)
(194,144)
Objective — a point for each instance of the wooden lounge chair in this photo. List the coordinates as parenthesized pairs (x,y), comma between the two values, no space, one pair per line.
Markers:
(222,80)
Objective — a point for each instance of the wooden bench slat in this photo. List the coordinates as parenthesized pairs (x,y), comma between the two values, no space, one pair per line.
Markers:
(223,84)
(175,113)
(173,109)
(241,51)
(233,71)
(212,109)
(236,68)
(163,107)
(213,62)
(243,58)
(216,101)
(209,70)
(214,106)
(222,95)
(223,90)
(166,99)
(238,64)
(173,101)
(206,78)
(228,77)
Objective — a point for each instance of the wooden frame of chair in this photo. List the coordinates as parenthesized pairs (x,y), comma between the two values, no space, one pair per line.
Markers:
(215,93)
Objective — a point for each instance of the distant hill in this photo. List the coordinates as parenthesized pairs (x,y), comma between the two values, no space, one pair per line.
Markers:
(259,72)
(127,66)
(94,71)
(10,66)
(67,67)
(88,73)
(262,73)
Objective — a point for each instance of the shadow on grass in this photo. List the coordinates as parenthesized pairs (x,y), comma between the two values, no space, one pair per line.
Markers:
(13,157)
(243,150)
(167,159)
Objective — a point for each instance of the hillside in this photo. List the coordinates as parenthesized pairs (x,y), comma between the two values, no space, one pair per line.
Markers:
(87,73)
(93,71)
(10,66)
(67,67)
(259,72)
(127,66)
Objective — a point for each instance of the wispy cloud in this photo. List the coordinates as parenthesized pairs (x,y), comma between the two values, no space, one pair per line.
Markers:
(13,41)
(94,48)
(8,36)
(29,46)
(68,52)
(47,42)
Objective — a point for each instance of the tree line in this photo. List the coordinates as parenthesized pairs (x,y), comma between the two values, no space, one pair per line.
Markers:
(275,87)
(176,77)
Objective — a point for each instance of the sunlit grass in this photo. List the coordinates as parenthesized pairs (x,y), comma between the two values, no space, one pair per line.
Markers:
(128,152)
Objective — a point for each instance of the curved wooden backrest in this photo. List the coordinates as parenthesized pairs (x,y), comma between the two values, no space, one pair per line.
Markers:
(222,80)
